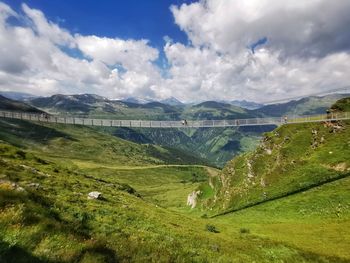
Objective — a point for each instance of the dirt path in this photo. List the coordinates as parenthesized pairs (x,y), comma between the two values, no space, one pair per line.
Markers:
(90,165)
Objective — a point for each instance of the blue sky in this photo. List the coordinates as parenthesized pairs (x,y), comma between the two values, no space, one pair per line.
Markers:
(127,19)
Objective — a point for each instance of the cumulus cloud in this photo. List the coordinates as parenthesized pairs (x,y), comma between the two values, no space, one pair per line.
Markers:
(306,39)
(35,58)
(253,49)
(313,28)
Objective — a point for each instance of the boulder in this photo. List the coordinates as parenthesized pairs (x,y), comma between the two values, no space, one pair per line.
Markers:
(94,195)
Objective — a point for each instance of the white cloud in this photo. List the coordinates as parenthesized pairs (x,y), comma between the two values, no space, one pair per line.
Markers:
(33,60)
(314,27)
(306,39)
(307,51)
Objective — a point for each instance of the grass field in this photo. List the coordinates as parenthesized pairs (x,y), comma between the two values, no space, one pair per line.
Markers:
(45,215)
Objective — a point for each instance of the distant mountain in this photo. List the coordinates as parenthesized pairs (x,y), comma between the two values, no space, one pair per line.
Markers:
(217,145)
(304,106)
(169,101)
(250,105)
(71,103)
(21,96)
(136,100)
(212,104)
(172,101)
(99,107)
(12,105)
(215,110)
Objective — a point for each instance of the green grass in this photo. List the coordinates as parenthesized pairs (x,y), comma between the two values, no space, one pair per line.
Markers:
(57,223)
(165,186)
(84,143)
(286,162)
(143,215)
(316,220)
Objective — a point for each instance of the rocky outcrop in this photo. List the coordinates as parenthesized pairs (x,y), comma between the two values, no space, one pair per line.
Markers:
(192,198)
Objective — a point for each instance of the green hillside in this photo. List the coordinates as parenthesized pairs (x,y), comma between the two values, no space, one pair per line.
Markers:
(217,146)
(47,217)
(316,220)
(292,158)
(47,172)
(84,143)
(305,106)
(12,105)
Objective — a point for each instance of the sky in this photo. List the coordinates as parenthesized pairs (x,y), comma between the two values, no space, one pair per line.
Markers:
(258,50)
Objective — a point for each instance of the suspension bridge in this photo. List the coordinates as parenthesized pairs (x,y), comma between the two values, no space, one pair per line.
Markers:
(46,118)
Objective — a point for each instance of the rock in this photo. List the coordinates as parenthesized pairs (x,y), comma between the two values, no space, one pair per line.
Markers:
(20,189)
(34,185)
(94,195)
(12,185)
(192,199)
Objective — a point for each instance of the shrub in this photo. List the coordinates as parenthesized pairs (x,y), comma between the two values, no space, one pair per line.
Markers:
(21,154)
(41,161)
(204,216)
(244,231)
(212,229)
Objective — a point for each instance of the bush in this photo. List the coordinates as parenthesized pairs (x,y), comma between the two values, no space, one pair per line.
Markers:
(244,231)
(212,229)
(21,154)
(204,216)
(127,188)
(41,161)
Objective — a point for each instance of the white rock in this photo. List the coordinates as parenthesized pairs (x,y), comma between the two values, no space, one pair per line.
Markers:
(94,195)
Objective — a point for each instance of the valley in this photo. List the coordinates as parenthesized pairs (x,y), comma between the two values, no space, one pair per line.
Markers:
(300,213)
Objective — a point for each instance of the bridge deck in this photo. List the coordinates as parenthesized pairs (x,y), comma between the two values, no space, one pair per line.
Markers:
(174,124)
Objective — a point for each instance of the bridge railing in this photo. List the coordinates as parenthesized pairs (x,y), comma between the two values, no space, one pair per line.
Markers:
(175,124)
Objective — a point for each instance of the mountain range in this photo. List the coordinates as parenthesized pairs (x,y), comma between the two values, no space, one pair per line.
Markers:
(215,145)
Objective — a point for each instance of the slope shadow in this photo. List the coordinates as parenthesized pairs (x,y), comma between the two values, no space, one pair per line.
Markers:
(16,254)
(16,131)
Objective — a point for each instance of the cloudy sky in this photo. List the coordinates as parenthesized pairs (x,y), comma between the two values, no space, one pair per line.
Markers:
(259,50)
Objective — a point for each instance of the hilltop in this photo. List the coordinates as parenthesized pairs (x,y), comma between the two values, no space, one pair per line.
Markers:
(305,106)
(290,159)
(12,105)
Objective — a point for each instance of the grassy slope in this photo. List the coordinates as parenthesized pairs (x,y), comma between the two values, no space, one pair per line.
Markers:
(55,222)
(216,145)
(291,189)
(316,220)
(305,106)
(12,105)
(287,160)
(84,143)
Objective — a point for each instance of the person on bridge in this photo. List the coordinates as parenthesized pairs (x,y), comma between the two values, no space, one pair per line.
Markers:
(184,122)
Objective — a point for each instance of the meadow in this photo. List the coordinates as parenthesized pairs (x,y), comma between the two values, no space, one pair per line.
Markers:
(142,217)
